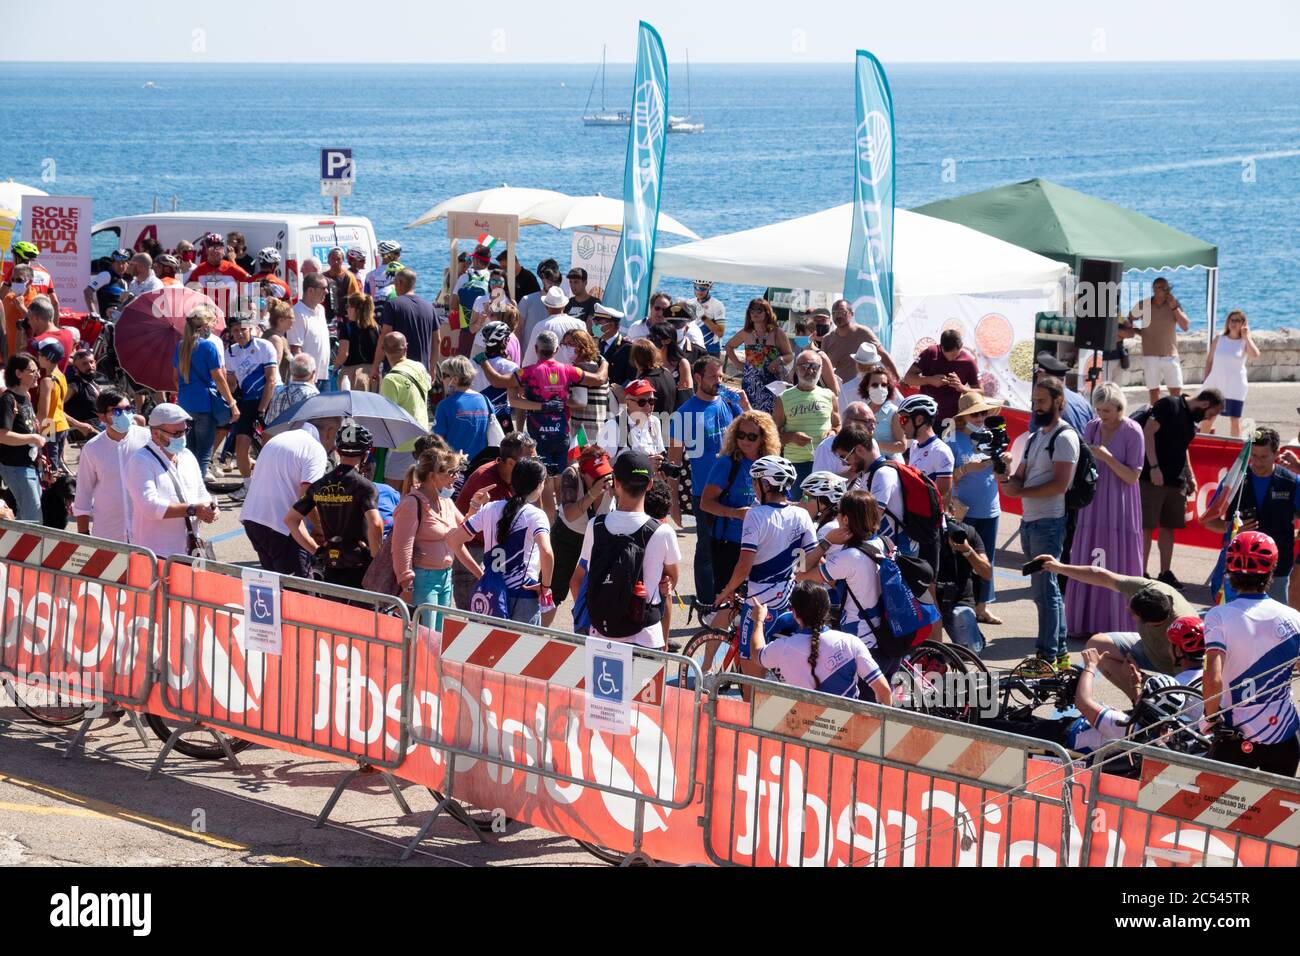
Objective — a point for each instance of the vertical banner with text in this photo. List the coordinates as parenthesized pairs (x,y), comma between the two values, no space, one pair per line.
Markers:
(60,228)
(869,272)
(629,276)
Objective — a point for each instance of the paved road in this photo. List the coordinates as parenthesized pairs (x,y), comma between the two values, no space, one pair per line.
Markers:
(97,808)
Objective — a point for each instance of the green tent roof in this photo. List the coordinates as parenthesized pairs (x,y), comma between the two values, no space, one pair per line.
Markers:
(1067,226)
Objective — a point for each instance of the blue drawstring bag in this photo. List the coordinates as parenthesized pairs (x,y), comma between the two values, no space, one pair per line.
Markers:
(491,597)
(900,620)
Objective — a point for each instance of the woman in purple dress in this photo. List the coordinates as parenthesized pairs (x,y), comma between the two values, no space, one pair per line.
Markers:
(1109,533)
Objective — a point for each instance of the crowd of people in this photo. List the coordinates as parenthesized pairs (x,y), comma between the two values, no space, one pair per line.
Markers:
(563,449)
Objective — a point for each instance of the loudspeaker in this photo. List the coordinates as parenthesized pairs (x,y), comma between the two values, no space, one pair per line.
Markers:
(1096,304)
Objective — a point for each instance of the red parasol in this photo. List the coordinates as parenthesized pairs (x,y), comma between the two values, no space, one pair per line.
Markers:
(148,330)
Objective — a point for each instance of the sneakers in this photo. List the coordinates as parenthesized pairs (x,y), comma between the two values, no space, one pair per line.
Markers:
(1063,661)
(1167,577)
(239,494)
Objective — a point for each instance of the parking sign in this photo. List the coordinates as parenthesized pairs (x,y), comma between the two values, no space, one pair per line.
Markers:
(608,686)
(262,610)
(337,172)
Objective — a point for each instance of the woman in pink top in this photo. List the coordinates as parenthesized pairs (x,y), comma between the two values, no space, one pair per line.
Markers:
(422,558)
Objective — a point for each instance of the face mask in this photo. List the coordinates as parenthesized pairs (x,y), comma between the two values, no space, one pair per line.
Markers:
(565,355)
(878,394)
(446,492)
(971,427)
(801,341)
(122,421)
(176,445)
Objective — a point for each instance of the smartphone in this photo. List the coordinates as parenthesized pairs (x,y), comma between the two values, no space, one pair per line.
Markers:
(19,288)
(1032,567)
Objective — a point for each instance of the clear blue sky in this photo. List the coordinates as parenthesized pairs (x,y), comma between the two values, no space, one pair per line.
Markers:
(734,31)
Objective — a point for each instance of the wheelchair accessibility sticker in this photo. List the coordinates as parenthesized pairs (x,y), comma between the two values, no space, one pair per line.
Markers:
(609,694)
(262,611)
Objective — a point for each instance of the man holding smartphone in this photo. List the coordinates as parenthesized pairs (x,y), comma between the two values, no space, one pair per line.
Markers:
(961,559)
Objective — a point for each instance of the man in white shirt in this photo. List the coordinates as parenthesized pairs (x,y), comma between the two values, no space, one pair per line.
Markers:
(660,558)
(531,310)
(862,465)
(165,487)
(142,278)
(310,331)
(286,466)
(661,308)
(710,316)
(556,322)
(101,506)
(856,413)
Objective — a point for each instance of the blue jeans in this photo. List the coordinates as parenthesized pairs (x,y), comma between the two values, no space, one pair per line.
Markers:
(23,482)
(525,610)
(200,439)
(705,590)
(1046,536)
(962,627)
(432,587)
(987,529)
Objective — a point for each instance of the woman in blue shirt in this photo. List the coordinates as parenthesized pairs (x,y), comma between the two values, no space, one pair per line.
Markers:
(975,485)
(202,387)
(729,491)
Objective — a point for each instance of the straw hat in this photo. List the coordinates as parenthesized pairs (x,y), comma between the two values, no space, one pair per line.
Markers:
(972,403)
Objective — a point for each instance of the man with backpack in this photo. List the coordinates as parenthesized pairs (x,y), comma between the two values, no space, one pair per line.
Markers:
(1044,477)
(626,554)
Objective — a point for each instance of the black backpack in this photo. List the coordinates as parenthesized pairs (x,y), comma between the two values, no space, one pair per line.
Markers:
(1084,486)
(612,573)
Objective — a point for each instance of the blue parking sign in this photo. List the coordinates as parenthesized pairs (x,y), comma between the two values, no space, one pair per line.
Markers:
(261,604)
(607,681)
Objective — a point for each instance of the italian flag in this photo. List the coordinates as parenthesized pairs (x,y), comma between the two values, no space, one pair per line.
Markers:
(487,239)
(577,444)
(1226,497)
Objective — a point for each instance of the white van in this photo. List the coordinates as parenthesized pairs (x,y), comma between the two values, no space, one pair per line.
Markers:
(296,236)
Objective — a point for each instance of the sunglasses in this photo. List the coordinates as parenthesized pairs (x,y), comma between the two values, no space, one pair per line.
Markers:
(748,436)
(643,402)
(810,366)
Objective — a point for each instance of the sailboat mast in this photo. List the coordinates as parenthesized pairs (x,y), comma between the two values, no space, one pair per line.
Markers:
(602,77)
(688,82)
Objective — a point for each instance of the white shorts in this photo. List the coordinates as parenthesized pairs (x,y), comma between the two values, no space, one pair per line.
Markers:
(1160,370)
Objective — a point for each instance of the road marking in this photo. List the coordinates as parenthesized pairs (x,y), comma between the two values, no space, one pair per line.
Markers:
(90,807)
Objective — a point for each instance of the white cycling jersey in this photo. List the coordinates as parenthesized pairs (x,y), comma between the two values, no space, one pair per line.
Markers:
(777,535)
(1258,637)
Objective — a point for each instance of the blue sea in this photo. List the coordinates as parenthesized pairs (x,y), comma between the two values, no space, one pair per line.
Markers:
(1212,149)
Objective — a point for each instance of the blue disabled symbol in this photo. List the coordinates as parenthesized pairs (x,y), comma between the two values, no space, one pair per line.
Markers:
(608,682)
(261,605)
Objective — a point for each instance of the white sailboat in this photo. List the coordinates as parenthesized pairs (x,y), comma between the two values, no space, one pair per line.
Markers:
(603,117)
(685,124)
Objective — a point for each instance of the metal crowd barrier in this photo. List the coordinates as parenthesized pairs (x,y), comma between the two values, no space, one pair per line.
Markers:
(956,793)
(1188,811)
(330,683)
(538,671)
(76,623)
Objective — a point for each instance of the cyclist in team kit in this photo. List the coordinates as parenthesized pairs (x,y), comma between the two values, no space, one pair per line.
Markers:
(379,280)
(775,535)
(841,560)
(1251,647)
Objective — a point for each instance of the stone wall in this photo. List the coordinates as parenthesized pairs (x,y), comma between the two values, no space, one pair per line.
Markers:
(1279,359)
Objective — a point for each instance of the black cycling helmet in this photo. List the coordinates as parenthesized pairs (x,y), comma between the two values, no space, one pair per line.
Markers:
(354,439)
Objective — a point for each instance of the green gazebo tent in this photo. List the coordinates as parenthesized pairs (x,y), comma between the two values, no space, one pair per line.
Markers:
(1068,226)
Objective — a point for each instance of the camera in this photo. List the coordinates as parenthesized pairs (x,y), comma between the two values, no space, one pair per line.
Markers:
(1247,514)
(957,536)
(992,440)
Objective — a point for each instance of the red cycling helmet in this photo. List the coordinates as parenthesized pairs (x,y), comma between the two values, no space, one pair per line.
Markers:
(1252,552)
(1188,635)
(211,239)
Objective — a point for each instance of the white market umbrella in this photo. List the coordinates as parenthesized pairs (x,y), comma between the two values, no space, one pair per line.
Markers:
(11,197)
(595,212)
(503,200)
(931,257)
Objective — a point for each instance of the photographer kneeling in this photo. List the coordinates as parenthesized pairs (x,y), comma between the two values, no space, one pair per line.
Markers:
(961,561)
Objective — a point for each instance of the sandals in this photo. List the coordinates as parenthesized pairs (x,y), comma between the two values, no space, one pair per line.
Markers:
(984,617)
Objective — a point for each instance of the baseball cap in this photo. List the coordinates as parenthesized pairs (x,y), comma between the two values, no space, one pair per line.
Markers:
(639,387)
(51,350)
(484,253)
(595,465)
(168,413)
(633,470)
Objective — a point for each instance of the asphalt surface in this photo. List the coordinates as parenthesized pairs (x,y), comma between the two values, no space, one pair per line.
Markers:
(98,808)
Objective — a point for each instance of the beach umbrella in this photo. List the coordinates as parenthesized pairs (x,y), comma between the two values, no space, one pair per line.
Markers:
(11,209)
(147,332)
(503,200)
(387,422)
(595,212)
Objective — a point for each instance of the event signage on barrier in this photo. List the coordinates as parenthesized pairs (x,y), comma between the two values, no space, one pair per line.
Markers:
(262,603)
(609,670)
(1219,801)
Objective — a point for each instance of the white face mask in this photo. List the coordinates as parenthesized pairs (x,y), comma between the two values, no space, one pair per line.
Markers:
(878,394)
(565,355)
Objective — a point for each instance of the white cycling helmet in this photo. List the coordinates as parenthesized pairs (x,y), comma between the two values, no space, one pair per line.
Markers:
(494,333)
(826,486)
(390,247)
(775,472)
(918,405)
(269,257)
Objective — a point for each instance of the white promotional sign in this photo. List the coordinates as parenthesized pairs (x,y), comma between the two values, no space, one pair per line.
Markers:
(337,172)
(609,686)
(60,228)
(998,331)
(594,251)
(262,611)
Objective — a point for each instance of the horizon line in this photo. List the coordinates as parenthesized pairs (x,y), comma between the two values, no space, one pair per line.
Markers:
(1093,61)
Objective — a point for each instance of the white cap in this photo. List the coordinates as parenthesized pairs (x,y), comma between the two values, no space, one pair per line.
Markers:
(867,354)
(167,414)
(555,298)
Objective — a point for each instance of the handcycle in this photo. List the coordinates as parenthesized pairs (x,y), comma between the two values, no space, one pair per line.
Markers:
(919,677)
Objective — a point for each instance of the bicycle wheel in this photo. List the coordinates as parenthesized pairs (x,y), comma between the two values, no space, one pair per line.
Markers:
(931,679)
(711,651)
(1165,718)
(196,743)
(59,711)
(969,658)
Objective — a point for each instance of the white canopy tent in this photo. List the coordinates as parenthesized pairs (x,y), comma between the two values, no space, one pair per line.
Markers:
(931,257)
(545,207)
